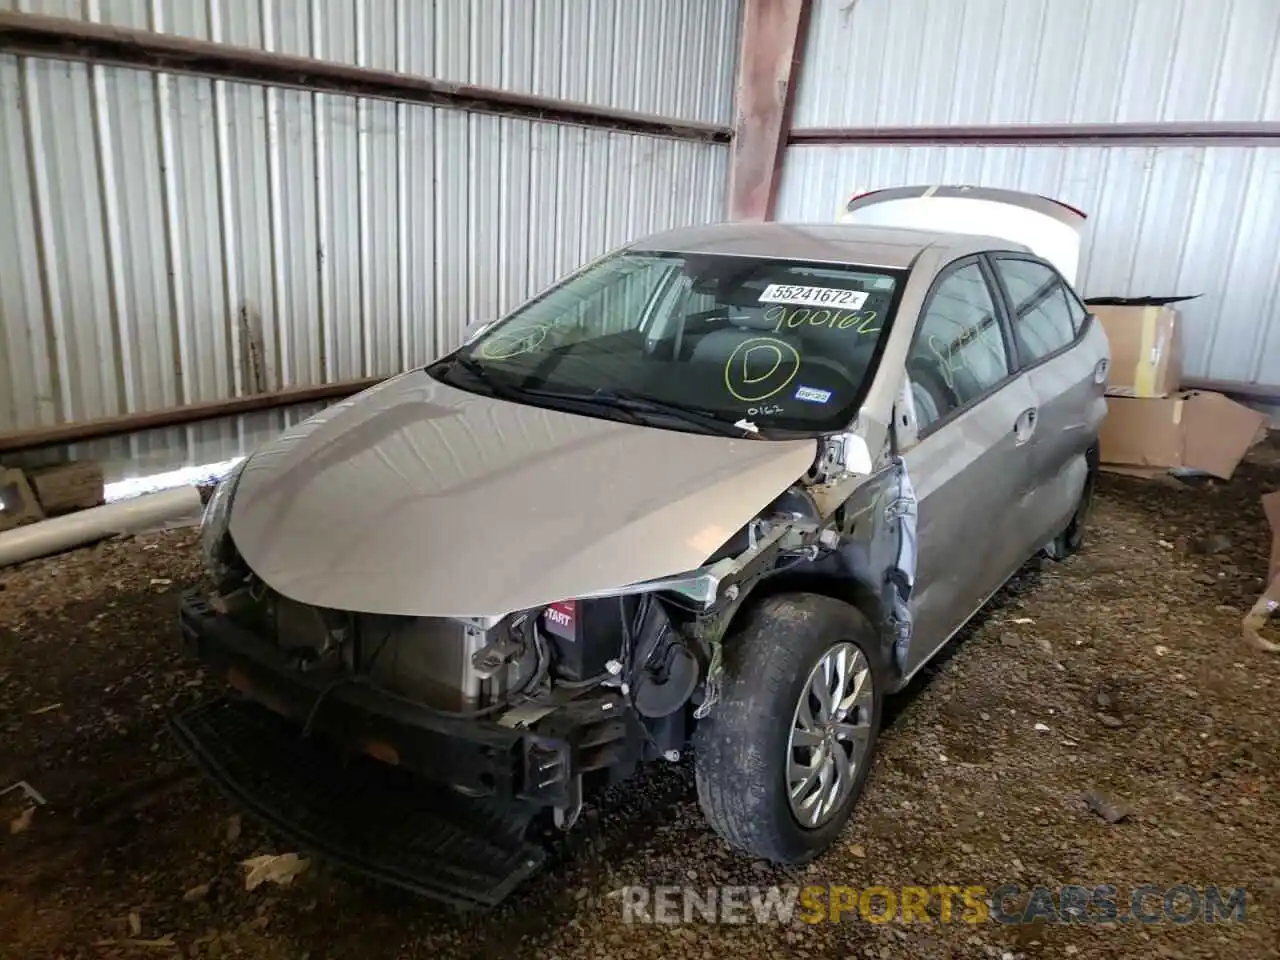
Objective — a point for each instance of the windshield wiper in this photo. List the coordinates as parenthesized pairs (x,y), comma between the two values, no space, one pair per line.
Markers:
(637,404)
(481,373)
(512,392)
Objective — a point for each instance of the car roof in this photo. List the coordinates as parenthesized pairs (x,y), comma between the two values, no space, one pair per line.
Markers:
(888,247)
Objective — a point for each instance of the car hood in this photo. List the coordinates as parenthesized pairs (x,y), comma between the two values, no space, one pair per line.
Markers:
(421,499)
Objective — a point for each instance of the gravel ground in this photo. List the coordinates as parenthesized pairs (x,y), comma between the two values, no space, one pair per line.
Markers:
(1122,670)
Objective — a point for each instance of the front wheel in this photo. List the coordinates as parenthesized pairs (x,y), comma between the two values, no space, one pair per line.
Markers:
(784,755)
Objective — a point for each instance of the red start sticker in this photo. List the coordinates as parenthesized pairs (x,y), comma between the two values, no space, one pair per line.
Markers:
(560,618)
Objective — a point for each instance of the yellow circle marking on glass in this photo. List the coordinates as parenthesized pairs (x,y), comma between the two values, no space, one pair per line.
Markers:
(507,346)
(783,355)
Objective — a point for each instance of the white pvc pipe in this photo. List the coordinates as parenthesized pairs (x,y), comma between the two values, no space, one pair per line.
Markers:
(85,526)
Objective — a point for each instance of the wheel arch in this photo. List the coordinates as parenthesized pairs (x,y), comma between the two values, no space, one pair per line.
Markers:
(855,591)
(871,567)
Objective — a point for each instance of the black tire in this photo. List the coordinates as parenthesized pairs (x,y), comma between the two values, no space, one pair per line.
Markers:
(1071,539)
(740,750)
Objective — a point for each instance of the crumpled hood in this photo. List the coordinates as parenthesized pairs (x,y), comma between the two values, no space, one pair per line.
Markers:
(418,498)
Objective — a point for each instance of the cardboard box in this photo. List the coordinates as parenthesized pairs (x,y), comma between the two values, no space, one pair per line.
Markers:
(18,505)
(68,486)
(1193,430)
(1267,605)
(1271,507)
(1146,348)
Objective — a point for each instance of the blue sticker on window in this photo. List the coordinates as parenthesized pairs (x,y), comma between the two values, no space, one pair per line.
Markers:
(813,395)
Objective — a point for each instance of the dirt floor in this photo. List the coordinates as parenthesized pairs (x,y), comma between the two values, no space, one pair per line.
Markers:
(1122,670)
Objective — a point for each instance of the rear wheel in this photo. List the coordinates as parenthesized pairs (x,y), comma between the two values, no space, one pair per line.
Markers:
(1071,539)
(783,757)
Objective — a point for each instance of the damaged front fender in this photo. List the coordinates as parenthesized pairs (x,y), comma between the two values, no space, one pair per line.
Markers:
(865,552)
(878,551)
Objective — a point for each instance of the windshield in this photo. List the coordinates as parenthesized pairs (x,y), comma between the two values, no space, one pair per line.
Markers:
(765,344)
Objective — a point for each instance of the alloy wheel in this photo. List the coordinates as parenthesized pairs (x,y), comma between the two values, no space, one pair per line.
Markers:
(830,731)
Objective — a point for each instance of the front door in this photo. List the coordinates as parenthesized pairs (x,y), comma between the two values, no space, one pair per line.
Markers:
(975,418)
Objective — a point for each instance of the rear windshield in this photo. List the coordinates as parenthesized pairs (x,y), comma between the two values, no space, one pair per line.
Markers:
(778,344)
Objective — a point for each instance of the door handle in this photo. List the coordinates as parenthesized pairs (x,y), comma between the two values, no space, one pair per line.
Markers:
(1025,425)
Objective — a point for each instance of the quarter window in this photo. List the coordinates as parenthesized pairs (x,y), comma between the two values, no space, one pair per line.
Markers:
(959,352)
(1046,317)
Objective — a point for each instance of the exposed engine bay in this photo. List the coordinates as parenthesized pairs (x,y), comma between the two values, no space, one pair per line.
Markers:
(472,669)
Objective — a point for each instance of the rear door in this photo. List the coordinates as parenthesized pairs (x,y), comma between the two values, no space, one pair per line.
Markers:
(968,455)
(1065,362)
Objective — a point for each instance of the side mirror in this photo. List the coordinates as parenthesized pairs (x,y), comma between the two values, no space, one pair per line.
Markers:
(854,455)
(843,455)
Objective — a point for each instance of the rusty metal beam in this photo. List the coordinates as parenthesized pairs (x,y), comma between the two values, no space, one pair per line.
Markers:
(1239,133)
(773,36)
(63,39)
(1261,392)
(82,431)
(68,433)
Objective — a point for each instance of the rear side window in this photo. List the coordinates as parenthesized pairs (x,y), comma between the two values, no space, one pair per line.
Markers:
(1079,313)
(1046,317)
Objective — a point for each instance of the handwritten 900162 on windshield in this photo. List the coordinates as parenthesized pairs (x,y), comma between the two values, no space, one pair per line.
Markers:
(860,323)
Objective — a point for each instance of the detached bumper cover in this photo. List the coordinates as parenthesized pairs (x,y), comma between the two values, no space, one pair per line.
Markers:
(369,788)
(366,817)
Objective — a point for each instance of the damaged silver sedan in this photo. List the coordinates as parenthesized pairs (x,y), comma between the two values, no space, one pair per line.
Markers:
(721,491)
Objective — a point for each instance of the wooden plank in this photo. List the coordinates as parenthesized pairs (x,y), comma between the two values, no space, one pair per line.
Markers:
(65,487)
(18,505)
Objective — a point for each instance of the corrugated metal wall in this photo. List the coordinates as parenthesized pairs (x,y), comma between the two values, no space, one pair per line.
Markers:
(170,239)
(1163,219)
(936,62)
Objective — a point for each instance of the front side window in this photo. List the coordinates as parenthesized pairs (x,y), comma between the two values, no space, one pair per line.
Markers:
(782,345)
(959,350)
(1045,316)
